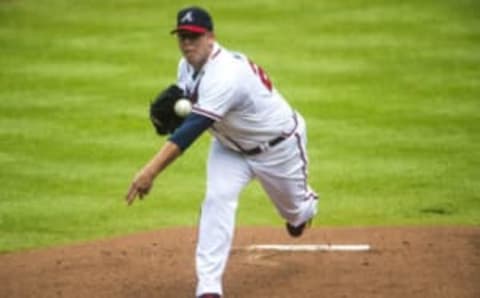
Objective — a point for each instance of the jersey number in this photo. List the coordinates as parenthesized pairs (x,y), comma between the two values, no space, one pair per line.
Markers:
(262,75)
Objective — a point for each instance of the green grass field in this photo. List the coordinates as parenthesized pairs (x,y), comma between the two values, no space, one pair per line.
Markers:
(390,91)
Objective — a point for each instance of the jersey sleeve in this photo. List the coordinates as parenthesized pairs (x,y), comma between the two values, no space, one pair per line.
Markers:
(215,97)
(193,126)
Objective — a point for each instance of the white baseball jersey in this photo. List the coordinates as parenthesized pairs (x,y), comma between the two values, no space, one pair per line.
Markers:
(238,95)
(248,113)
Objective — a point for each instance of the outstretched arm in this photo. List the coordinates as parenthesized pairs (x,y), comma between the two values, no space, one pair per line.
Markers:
(143,181)
(183,137)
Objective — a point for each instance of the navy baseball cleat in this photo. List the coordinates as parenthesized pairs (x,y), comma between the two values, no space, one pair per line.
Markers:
(298,230)
(210,295)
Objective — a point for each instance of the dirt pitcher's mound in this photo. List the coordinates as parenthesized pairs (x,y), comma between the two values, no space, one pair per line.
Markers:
(403,262)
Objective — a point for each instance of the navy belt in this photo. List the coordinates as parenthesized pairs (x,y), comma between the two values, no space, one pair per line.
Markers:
(263,148)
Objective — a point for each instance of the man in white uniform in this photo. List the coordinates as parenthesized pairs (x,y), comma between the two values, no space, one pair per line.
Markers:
(256,135)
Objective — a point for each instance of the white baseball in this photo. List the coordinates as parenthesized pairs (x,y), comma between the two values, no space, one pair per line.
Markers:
(182,107)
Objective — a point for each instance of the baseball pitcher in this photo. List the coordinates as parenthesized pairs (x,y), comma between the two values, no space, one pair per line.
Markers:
(256,134)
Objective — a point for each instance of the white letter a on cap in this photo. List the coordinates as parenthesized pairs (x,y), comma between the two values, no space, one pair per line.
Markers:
(187,18)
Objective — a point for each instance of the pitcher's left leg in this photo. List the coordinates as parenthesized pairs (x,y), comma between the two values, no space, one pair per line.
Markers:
(283,173)
(294,199)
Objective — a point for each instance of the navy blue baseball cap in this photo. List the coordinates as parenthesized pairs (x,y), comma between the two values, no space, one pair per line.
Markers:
(193,19)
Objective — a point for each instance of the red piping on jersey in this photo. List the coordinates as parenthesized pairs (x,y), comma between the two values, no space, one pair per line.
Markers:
(194,96)
(216,54)
(288,134)
(252,65)
(304,159)
(206,113)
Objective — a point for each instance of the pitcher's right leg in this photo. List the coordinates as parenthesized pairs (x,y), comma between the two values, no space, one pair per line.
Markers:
(227,175)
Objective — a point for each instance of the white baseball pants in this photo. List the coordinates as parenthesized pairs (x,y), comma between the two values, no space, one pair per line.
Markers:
(282,172)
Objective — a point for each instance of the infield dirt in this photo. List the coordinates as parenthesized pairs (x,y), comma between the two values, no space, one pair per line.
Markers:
(404,262)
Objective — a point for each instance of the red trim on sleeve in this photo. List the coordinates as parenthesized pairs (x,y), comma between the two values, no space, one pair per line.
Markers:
(206,113)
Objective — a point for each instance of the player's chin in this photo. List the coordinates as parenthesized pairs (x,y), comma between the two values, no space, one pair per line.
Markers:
(191,57)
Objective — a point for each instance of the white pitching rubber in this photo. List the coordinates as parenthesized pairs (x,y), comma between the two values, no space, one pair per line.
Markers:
(311,247)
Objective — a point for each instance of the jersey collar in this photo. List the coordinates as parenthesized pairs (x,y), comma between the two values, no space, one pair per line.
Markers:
(217,49)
